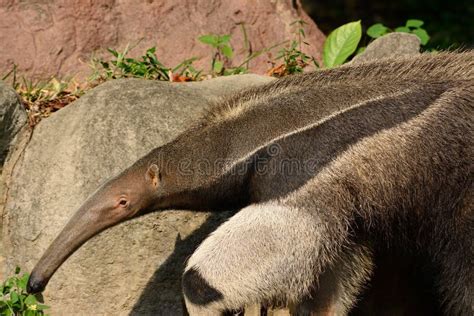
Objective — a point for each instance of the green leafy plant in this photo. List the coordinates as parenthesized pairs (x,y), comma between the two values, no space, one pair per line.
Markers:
(249,54)
(15,301)
(377,30)
(412,26)
(147,67)
(341,43)
(222,55)
(293,58)
(222,58)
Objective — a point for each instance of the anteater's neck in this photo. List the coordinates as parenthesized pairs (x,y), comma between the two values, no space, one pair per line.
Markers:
(217,164)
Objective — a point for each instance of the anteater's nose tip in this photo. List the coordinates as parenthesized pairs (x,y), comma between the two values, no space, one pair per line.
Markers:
(35,286)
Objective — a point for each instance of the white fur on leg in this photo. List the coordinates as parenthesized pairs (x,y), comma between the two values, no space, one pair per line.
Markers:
(338,286)
(265,252)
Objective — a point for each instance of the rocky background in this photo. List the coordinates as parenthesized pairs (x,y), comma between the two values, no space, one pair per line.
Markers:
(59,37)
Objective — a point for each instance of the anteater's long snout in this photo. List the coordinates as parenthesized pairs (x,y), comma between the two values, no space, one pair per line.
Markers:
(119,199)
(80,228)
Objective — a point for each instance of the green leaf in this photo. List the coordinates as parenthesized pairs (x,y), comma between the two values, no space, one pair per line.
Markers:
(41,307)
(224,39)
(414,23)
(30,300)
(403,29)
(29,313)
(218,65)
(341,43)
(209,40)
(185,64)
(227,51)
(377,30)
(422,35)
(14,297)
(294,45)
(113,52)
(23,281)
(151,50)
(235,71)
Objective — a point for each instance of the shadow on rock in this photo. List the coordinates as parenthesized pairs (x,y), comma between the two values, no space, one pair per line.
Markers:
(154,300)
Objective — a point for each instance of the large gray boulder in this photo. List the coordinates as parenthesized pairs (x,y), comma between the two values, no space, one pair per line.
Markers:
(390,45)
(133,268)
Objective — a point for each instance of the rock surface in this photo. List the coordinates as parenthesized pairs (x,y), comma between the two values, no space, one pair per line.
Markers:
(12,118)
(47,38)
(133,268)
(393,44)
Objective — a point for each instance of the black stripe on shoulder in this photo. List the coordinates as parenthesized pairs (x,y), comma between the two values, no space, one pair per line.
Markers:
(197,290)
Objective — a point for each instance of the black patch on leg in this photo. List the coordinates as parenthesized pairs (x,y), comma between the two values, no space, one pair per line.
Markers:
(197,290)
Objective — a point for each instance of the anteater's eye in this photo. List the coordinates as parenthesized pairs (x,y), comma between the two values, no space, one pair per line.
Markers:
(123,202)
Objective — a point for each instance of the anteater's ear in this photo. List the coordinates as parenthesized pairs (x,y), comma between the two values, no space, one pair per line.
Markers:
(153,175)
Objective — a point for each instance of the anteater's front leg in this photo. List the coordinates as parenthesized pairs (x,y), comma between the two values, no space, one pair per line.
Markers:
(339,285)
(267,253)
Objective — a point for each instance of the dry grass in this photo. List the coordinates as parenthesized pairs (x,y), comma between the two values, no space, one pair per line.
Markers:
(43,97)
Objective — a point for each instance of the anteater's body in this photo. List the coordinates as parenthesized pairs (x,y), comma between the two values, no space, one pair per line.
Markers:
(324,167)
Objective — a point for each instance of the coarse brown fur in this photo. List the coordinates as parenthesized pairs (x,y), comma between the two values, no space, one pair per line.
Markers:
(322,165)
(441,67)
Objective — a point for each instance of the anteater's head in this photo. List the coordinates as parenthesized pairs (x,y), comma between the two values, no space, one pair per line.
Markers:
(169,177)
(134,192)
